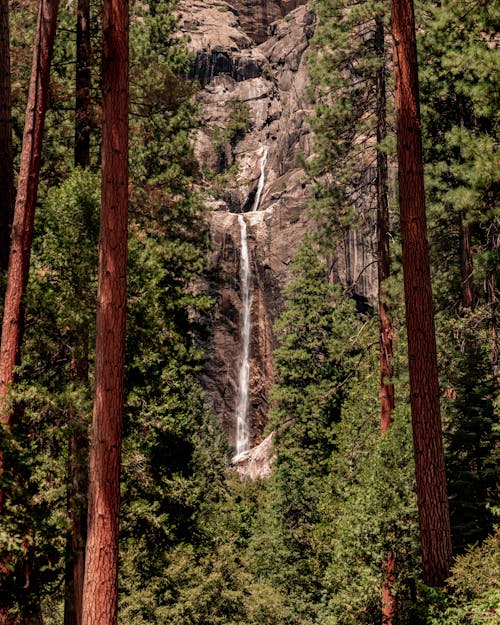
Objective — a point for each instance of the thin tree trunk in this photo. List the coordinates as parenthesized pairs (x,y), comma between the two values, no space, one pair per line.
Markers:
(100,593)
(77,508)
(384,258)
(77,495)
(22,229)
(78,452)
(385,326)
(424,386)
(6,153)
(83,79)
(24,212)
(466,263)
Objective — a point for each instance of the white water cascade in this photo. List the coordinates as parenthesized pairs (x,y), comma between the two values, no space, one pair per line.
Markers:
(242,425)
(262,179)
(242,429)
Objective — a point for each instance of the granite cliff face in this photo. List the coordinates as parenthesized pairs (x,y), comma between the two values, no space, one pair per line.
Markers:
(255,129)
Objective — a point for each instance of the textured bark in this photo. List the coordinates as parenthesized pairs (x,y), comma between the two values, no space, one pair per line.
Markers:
(383,272)
(83,77)
(101,563)
(24,213)
(22,229)
(424,387)
(6,154)
(384,258)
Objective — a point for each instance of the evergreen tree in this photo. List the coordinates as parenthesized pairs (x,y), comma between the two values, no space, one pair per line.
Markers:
(460,119)
(422,360)
(100,589)
(316,360)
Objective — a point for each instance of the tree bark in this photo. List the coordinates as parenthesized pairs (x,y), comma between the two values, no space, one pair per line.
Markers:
(83,79)
(101,565)
(24,212)
(6,152)
(424,386)
(78,445)
(384,258)
(385,327)
(22,228)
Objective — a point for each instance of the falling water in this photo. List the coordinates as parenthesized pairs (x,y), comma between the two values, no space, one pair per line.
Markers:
(242,429)
(242,425)
(262,179)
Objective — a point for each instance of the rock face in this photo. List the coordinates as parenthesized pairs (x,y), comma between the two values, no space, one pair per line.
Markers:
(255,16)
(258,461)
(255,129)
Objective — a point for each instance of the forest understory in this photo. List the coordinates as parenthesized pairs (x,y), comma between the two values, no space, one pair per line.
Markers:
(248,288)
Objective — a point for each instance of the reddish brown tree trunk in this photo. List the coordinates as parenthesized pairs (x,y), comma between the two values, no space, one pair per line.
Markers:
(385,326)
(22,228)
(6,155)
(424,387)
(101,564)
(24,212)
(83,78)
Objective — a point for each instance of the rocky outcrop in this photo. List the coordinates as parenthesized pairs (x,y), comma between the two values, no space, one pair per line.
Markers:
(258,461)
(254,105)
(255,16)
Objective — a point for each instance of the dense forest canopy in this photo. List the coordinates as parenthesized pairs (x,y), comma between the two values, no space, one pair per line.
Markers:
(380,497)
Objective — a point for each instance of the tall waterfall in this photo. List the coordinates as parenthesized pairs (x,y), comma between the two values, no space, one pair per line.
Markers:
(242,425)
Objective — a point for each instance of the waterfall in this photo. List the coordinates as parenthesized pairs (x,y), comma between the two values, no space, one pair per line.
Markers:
(262,179)
(242,427)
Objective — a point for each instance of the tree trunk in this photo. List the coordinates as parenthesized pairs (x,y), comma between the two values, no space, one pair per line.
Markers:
(466,263)
(24,212)
(78,452)
(77,497)
(77,508)
(101,564)
(385,326)
(22,229)
(384,258)
(83,78)
(424,386)
(6,154)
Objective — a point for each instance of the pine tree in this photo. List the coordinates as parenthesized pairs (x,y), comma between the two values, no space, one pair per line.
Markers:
(424,387)
(316,359)
(460,120)
(100,595)
(22,230)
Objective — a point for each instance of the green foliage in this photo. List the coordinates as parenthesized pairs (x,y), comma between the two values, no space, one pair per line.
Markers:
(343,66)
(369,512)
(458,78)
(459,74)
(238,124)
(52,402)
(472,595)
